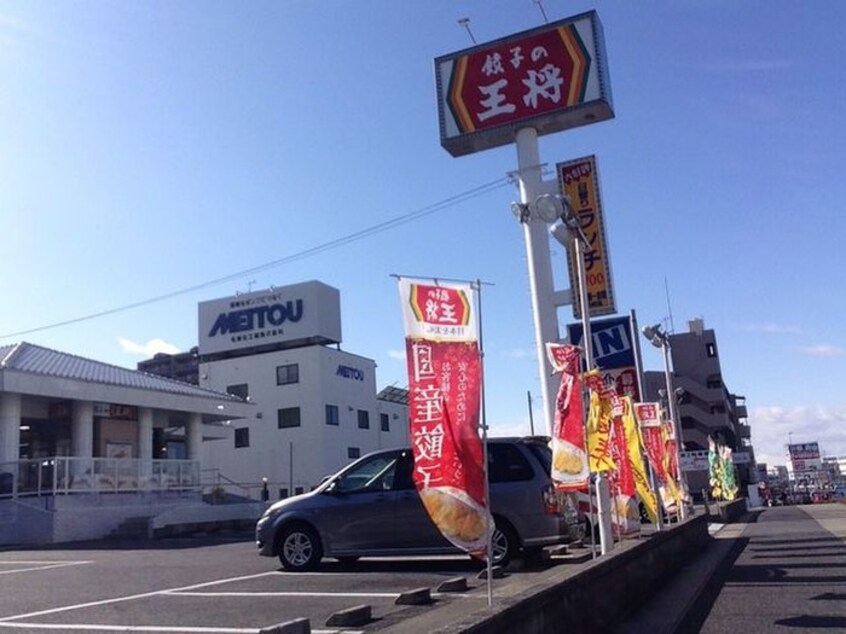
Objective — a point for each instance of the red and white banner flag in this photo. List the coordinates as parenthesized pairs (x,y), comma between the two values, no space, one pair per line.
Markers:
(655,443)
(625,517)
(445,378)
(569,456)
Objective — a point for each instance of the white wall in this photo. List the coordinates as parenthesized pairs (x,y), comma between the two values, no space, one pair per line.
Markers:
(318,448)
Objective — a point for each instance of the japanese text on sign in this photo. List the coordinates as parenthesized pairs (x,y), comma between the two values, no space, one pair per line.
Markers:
(580,182)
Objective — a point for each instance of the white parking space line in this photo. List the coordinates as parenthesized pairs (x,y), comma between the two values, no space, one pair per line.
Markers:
(130,597)
(38,565)
(88,627)
(366,595)
(7,621)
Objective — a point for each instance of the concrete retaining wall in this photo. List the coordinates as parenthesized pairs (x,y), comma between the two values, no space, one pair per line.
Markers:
(600,596)
(206,517)
(733,511)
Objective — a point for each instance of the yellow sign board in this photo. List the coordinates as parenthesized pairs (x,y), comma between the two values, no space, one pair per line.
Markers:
(579,180)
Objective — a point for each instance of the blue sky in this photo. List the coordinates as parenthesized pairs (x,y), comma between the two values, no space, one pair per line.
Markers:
(150,147)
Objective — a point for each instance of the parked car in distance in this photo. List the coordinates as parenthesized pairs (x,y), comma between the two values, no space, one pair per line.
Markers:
(371,508)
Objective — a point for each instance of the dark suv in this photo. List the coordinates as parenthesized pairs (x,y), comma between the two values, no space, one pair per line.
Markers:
(371,508)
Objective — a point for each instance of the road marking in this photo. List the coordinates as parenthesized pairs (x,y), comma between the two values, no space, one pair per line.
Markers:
(131,597)
(376,595)
(38,565)
(87,627)
(154,628)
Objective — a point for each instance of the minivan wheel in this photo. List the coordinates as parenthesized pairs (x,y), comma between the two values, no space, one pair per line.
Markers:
(505,544)
(299,548)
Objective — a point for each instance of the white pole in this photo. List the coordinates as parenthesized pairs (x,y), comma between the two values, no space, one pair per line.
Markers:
(603,501)
(541,286)
(653,477)
(484,425)
(674,415)
(587,335)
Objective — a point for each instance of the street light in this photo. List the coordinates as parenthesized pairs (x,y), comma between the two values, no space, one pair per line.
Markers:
(660,339)
(563,221)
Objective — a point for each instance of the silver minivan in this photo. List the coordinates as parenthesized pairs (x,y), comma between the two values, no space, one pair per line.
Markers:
(371,508)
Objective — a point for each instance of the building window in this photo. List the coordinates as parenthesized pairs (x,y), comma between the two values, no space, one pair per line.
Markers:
(241,390)
(385,422)
(298,490)
(711,350)
(286,374)
(283,493)
(242,437)
(332,415)
(289,417)
(363,419)
(353,453)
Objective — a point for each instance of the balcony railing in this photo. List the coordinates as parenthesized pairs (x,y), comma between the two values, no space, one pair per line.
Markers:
(65,475)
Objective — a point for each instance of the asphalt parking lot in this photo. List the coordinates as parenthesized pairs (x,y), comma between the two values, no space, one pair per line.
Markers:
(219,584)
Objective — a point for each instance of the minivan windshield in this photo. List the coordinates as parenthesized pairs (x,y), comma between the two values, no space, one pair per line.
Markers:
(374,474)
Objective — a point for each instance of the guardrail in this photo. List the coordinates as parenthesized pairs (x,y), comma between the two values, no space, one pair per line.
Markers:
(63,475)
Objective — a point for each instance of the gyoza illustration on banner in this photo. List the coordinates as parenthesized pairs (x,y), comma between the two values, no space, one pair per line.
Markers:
(444,376)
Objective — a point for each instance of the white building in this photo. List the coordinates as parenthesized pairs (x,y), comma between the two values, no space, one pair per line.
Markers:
(84,445)
(316,406)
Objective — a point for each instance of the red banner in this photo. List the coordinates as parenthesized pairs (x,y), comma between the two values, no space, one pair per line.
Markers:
(660,453)
(569,456)
(621,481)
(444,373)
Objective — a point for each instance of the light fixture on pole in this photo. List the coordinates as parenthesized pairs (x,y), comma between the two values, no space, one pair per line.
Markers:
(659,339)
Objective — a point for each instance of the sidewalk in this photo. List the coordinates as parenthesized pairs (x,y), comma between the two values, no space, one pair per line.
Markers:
(778,569)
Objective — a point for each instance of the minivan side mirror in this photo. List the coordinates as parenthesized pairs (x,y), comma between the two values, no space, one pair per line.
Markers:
(332,489)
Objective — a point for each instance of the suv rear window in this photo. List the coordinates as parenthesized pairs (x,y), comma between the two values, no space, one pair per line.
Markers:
(544,455)
(506,463)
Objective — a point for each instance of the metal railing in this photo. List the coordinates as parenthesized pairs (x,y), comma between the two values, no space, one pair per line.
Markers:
(63,475)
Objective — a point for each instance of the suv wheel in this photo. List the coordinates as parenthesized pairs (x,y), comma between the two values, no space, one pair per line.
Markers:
(505,544)
(299,548)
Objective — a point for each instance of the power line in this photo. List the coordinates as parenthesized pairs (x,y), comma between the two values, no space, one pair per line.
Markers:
(326,246)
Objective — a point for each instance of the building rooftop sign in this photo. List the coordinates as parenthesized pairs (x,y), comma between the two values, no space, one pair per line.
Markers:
(282,317)
(551,78)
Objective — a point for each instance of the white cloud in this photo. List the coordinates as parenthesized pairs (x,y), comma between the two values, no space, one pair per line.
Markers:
(749,66)
(152,347)
(514,428)
(822,350)
(773,329)
(398,355)
(10,27)
(12,23)
(774,427)
(518,353)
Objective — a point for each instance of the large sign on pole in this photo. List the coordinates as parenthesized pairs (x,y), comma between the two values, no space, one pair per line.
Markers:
(551,78)
(804,458)
(579,179)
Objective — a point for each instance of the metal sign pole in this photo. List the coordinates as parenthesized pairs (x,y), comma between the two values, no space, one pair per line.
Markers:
(653,477)
(541,285)
(484,425)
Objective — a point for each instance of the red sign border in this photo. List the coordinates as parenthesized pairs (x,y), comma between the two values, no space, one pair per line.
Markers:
(600,109)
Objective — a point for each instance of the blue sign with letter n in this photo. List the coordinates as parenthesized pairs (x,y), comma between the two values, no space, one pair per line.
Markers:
(612,342)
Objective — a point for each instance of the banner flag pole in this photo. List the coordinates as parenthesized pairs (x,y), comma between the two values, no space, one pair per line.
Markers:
(484,425)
